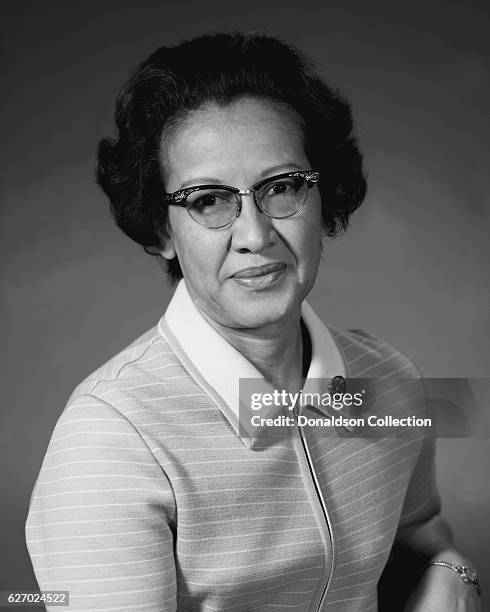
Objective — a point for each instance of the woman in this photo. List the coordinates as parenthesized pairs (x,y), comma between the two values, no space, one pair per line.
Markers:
(158,490)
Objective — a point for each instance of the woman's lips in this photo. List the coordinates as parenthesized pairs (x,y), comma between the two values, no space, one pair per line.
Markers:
(261,277)
(259,270)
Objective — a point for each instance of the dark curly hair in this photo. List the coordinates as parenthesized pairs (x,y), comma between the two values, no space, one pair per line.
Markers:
(219,69)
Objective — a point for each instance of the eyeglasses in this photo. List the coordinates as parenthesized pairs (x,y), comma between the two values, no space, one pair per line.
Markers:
(217,206)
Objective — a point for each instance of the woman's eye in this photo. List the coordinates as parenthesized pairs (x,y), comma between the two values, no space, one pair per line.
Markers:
(209,202)
(204,201)
(280,188)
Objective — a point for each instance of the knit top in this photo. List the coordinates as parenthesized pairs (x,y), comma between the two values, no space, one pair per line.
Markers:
(151,496)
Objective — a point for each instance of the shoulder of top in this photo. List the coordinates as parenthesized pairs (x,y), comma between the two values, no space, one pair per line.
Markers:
(144,355)
(361,347)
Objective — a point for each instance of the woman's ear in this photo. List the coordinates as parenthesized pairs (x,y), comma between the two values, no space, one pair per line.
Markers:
(167,249)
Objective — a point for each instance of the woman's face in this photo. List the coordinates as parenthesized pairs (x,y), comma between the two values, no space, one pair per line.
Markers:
(239,145)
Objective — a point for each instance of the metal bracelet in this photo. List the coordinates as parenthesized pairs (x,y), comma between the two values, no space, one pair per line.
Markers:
(467,574)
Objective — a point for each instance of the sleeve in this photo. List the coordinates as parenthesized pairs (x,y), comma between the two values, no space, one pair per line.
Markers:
(422,499)
(101,515)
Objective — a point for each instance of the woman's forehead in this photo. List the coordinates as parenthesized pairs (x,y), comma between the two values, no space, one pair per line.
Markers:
(248,133)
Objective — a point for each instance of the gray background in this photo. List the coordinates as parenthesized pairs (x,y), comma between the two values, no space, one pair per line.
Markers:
(413,268)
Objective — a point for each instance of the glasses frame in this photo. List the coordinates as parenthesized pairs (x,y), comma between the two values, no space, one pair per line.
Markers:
(179,197)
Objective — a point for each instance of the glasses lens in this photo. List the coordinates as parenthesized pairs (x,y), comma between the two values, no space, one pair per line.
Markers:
(283,197)
(212,208)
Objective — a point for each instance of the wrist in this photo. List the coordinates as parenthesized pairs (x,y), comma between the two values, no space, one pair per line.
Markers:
(460,567)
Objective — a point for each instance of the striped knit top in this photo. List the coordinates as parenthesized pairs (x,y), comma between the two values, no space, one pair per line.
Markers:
(150,497)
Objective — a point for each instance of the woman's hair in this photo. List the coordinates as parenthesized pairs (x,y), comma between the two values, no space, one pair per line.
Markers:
(218,69)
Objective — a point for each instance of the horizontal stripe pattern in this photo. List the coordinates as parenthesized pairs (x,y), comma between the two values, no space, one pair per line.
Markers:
(147,499)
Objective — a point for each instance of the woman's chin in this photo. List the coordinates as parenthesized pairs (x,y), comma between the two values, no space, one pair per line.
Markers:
(260,308)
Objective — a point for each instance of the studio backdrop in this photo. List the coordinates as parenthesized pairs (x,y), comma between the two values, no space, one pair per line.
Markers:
(412,268)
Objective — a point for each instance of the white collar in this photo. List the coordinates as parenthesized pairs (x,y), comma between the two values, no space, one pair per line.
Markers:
(217,366)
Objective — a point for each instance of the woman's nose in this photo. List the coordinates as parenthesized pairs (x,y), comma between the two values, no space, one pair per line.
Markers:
(252,230)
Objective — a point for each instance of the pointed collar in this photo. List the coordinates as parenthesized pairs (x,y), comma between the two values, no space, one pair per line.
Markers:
(218,367)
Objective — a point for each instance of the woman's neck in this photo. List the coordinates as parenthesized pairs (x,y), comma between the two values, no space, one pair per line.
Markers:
(276,350)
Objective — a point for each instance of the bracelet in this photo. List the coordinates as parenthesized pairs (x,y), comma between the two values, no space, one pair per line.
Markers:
(465,572)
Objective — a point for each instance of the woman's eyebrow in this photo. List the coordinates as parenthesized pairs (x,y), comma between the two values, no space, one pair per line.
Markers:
(279,168)
(207,180)
(201,180)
